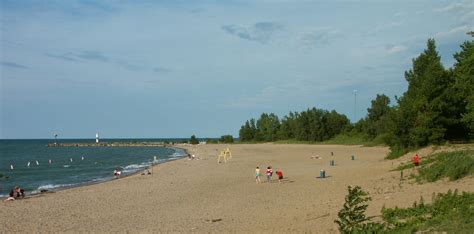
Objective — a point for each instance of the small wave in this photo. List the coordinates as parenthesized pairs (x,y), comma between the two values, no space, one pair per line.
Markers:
(50,187)
(135,167)
(66,166)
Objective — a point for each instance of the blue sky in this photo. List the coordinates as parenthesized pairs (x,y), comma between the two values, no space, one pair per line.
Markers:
(177,68)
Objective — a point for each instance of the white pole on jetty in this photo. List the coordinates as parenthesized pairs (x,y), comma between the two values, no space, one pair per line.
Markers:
(97,138)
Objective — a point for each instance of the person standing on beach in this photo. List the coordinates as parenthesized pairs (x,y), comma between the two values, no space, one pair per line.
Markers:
(269,174)
(257,175)
(416,160)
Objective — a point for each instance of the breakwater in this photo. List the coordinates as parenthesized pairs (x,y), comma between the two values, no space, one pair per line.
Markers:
(111,144)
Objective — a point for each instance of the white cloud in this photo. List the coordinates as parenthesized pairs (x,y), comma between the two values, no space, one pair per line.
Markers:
(394,49)
(458,30)
(455,7)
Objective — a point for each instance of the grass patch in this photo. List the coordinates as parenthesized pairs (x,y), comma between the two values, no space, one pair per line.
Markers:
(396,153)
(451,212)
(453,165)
(424,161)
(345,139)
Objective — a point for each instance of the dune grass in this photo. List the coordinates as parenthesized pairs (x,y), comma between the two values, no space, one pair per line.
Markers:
(451,212)
(453,165)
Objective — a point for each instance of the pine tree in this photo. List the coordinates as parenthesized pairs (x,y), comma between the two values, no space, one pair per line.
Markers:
(352,216)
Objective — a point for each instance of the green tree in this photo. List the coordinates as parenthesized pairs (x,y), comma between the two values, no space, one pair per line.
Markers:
(267,127)
(420,119)
(193,140)
(377,116)
(352,218)
(463,90)
(226,139)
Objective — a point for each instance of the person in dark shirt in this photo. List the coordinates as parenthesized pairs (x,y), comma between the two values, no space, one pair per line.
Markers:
(16,193)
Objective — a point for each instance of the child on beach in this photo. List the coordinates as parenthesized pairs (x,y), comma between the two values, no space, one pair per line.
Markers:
(416,160)
(269,174)
(280,175)
(257,175)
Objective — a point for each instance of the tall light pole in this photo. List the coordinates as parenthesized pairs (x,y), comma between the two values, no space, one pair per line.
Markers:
(355,105)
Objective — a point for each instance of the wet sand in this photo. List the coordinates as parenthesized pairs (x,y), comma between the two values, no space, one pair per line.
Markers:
(204,196)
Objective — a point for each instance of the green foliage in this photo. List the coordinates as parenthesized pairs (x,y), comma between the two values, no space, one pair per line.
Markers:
(193,140)
(396,152)
(463,90)
(348,139)
(310,125)
(453,165)
(352,218)
(212,141)
(450,212)
(438,105)
(226,139)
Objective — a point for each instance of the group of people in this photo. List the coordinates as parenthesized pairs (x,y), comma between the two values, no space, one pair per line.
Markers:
(117,173)
(269,174)
(192,157)
(16,193)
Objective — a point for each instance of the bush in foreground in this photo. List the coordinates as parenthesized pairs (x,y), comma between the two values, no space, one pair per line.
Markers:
(450,212)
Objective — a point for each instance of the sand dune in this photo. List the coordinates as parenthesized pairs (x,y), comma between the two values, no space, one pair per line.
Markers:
(204,196)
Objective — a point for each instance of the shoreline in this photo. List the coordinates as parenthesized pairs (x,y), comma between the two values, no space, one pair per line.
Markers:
(30,194)
(202,196)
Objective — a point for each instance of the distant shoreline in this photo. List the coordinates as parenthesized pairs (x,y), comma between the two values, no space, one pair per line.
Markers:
(33,194)
(112,144)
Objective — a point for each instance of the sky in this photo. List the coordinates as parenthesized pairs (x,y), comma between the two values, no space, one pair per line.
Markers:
(158,69)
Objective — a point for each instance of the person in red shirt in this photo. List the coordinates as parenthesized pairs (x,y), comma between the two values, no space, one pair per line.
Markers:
(280,175)
(416,160)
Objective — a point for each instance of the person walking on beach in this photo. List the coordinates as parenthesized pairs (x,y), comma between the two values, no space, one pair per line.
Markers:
(257,175)
(269,173)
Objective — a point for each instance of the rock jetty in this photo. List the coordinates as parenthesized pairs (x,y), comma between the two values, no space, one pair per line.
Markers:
(111,144)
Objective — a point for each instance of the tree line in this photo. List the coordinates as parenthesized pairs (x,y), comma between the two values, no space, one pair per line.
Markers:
(310,125)
(437,106)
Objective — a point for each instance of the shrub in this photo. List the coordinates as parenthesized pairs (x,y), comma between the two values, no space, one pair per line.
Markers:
(454,165)
(352,216)
(227,139)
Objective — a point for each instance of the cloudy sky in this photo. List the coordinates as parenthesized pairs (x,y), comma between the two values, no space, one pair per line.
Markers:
(176,68)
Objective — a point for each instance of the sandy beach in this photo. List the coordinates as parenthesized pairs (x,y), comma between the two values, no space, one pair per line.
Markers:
(204,196)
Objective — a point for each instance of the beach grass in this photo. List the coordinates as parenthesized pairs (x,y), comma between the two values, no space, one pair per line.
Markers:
(451,212)
(341,139)
(453,165)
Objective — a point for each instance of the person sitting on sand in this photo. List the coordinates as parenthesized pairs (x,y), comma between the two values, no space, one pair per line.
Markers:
(257,175)
(280,175)
(16,193)
(146,172)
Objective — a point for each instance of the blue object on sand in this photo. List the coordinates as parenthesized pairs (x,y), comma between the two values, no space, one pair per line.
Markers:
(322,174)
